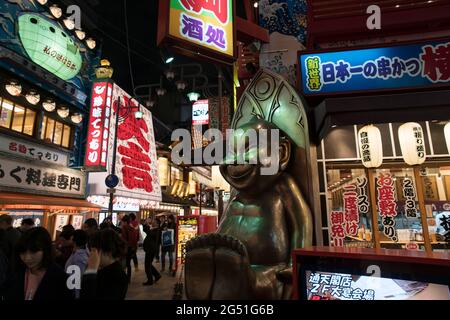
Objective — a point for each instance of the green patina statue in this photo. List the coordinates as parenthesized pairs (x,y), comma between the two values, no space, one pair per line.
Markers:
(249,257)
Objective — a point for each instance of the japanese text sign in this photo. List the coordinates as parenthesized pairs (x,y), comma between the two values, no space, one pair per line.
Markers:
(410,198)
(207,24)
(200,112)
(387,206)
(415,65)
(98,128)
(40,178)
(136,162)
(33,151)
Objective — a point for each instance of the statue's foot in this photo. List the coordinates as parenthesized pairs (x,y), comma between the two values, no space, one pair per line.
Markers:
(217,267)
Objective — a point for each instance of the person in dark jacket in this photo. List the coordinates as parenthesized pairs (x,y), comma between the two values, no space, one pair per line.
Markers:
(64,245)
(36,276)
(131,237)
(26,225)
(151,248)
(104,278)
(10,237)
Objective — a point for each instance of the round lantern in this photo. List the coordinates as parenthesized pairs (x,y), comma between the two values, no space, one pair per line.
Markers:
(163,171)
(370,146)
(447,135)
(412,143)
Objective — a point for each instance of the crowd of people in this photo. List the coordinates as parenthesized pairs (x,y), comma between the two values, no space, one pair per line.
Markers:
(33,267)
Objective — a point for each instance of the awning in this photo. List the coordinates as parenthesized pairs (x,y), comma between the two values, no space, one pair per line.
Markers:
(37,202)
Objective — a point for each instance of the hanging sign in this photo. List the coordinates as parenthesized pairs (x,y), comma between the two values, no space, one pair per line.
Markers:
(32,177)
(98,127)
(394,67)
(32,151)
(386,204)
(200,112)
(410,198)
(49,46)
(199,26)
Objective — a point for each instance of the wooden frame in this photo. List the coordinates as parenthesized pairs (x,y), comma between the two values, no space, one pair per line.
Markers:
(188,48)
(370,173)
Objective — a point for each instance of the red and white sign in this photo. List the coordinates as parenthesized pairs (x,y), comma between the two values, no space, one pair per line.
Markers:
(351,216)
(99,126)
(386,204)
(200,112)
(412,246)
(136,158)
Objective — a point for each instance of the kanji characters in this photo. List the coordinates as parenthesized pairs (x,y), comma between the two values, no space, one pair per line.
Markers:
(342,71)
(192,27)
(2,173)
(49,180)
(329,75)
(75,184)
(436,61)
(63,182)
(22,149)
(384,67)
(33,176)
(216,36)
(218,7)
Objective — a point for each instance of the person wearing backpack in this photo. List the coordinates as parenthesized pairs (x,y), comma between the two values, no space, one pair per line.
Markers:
(168,243)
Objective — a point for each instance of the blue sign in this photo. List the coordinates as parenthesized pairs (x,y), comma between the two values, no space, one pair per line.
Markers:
(415,65)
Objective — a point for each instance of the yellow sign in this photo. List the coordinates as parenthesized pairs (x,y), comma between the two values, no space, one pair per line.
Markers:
(207,23)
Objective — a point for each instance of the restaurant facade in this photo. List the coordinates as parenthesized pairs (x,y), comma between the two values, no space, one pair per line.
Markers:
(379,107)
(46,66)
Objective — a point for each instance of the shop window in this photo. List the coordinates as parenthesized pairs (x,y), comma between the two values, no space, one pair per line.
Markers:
(349,210)
(436,188)
(399,216)
(7,108)
(28,125)
(55,132)
(16,117)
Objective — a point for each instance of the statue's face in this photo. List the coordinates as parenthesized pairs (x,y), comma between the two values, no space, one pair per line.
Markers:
(265,153)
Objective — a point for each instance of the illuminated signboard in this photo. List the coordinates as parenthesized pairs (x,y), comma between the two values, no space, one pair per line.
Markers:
(98,127)
(204,25)
(200,112)
(339,286)
(49,46)
(422,65)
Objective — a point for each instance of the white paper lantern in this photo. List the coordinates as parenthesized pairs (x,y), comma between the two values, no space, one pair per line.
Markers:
(412,143)
(370,146)
(447,136)
(163,171)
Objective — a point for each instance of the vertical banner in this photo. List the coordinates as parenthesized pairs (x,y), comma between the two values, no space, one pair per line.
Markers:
(98,127)
(386,204)
(136,158)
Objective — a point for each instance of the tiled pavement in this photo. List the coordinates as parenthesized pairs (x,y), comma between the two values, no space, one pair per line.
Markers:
(162,290)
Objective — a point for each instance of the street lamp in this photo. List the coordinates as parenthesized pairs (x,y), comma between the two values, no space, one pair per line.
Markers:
(112,180)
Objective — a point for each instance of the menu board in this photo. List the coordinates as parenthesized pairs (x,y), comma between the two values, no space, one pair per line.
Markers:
(187,229)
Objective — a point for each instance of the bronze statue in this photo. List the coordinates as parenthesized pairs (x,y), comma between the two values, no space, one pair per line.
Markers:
(249,257)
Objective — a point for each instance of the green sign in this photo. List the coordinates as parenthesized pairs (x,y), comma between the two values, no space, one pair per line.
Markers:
(49,46)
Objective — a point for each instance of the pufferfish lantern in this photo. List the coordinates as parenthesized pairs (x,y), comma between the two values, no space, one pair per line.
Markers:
(249,257)
(104,70)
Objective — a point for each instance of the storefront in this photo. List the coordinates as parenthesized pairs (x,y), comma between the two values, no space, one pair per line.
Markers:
(383,159)
(132,150)
(45,69)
